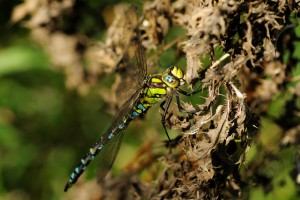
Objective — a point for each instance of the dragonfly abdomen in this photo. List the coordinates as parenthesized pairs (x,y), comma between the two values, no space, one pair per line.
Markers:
(84,162)
(137,110)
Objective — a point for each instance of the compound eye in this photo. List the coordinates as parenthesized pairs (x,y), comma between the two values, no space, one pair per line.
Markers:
(169,79)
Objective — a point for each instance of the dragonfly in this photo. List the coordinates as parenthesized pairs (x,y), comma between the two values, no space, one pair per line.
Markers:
(146,91)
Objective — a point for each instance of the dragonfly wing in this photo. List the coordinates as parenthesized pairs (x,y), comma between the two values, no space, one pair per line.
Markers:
(135,73)
(109,144)
(111,148)
(134,59)
(108,155)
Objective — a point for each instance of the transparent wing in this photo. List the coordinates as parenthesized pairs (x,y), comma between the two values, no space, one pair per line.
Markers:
(134,74)
(108,155)
(134,66)
(111,147)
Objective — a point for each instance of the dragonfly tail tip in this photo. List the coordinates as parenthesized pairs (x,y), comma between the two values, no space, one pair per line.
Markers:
(68,185)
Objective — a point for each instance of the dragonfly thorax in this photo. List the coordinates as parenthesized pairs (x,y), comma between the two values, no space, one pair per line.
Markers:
(160,85)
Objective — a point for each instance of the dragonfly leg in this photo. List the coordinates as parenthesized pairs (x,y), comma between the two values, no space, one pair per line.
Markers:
(189,93)
(181,109)
(194,91)
(163,119)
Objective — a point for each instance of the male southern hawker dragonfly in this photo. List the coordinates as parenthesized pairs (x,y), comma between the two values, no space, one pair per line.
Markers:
(147,91)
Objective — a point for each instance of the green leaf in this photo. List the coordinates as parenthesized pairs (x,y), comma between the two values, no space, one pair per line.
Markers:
(296,53)
(218,52)
(20,58)
(297,31)
(277,106)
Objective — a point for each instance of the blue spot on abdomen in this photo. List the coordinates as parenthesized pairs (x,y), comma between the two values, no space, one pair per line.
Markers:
(111,135)
(141,107)
(134,114)
(121,126)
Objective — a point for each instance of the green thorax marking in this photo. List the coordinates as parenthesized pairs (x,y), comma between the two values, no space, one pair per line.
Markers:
(159,85)
(155,90)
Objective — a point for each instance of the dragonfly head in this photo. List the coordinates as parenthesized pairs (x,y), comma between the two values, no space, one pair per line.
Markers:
(173,77)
